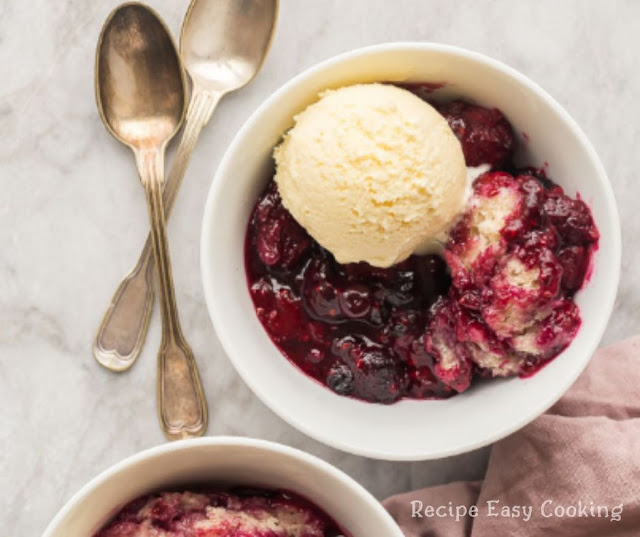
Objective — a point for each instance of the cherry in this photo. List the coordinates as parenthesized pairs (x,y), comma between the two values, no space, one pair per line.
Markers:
(485,134)
(452,360)
(279,310)
(355,301)
(329,297)
(404,334)
(571,218)
(575,263)
(279,239)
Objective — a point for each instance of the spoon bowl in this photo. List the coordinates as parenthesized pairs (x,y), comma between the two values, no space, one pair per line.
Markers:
(140,85)
(223,43)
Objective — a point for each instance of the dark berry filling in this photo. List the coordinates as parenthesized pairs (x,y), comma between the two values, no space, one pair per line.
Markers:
(280,240)
(356,328)
(485,134)
(500,305)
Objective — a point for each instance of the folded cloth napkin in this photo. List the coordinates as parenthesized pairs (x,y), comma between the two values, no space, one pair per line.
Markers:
(575,471)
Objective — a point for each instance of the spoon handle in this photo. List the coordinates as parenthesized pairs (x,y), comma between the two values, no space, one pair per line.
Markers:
(181,403)
(122,332)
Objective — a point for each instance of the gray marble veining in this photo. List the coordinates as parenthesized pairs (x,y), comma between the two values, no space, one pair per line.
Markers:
(72,218)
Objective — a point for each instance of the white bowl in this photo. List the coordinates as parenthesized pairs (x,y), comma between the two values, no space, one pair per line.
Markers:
(225,461)
(408,430)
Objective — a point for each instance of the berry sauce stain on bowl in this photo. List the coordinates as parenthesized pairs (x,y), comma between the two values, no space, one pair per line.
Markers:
(498,303)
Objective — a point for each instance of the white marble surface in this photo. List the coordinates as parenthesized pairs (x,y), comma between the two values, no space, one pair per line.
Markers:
(72,218)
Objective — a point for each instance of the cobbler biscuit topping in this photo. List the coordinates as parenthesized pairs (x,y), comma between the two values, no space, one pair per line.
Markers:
(242,513)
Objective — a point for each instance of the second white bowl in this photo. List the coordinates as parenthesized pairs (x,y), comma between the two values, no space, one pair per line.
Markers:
(224,461)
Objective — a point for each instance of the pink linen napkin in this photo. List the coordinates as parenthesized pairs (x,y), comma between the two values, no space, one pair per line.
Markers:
(575,471)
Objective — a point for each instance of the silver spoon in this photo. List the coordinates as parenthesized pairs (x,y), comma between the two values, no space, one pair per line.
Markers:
(222,45)
(140,89)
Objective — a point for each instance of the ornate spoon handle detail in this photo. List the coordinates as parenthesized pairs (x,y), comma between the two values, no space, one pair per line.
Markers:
(181,404)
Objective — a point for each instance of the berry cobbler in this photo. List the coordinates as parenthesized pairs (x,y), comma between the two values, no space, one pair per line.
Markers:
(236,513)
(496,300)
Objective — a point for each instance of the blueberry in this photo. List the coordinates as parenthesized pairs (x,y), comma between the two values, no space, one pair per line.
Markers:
(340,379)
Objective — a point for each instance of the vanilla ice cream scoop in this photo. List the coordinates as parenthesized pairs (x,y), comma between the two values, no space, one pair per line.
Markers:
(372,172)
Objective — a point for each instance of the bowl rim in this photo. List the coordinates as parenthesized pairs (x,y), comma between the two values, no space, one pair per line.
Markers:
(346,481)
(206,249)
